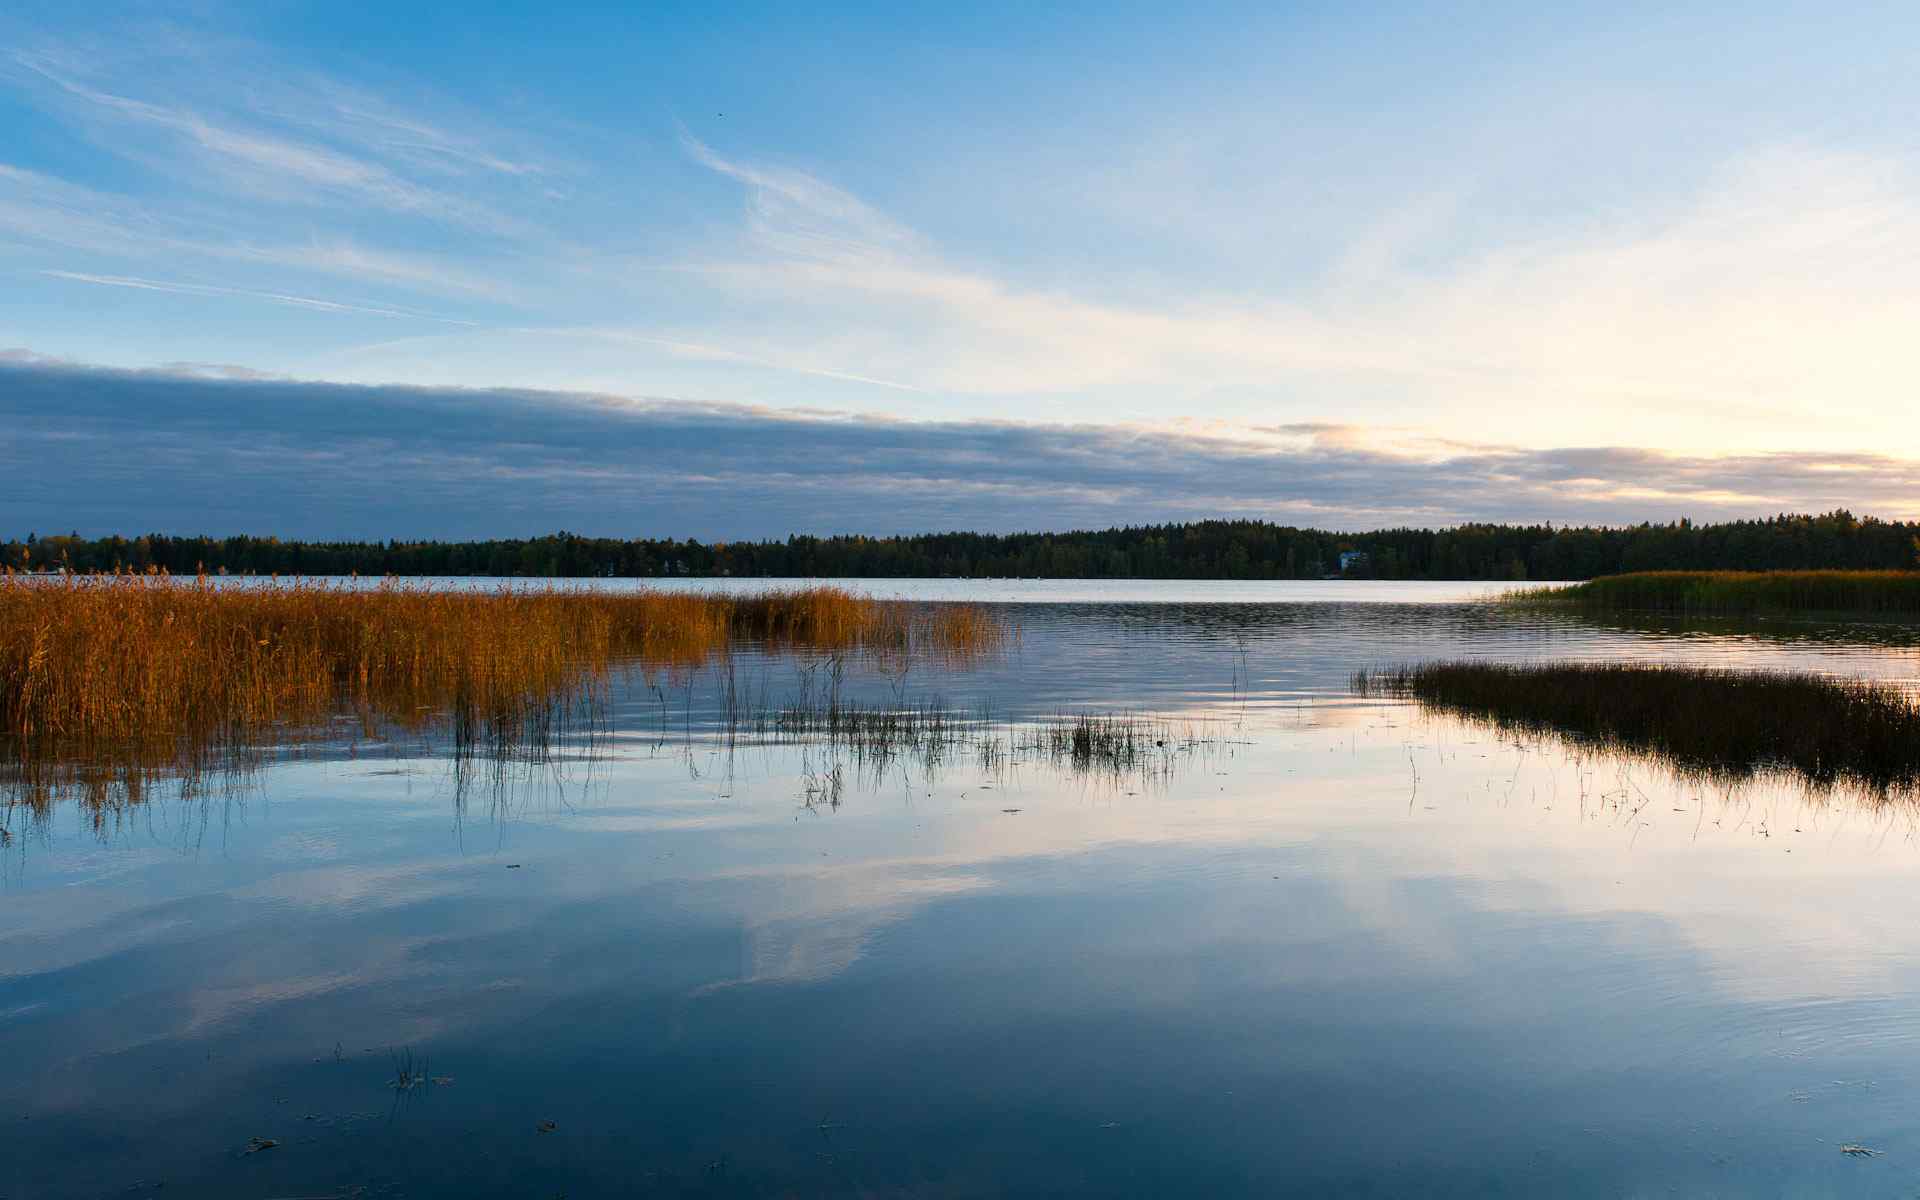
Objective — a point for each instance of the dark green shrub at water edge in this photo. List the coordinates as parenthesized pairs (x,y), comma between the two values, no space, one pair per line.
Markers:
(1879,593)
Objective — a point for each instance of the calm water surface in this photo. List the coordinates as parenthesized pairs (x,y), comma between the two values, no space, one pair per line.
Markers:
(1314,945)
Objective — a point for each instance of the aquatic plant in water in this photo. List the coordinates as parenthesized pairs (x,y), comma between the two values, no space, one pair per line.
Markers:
(1890,593)
(1721,723)
(107,680)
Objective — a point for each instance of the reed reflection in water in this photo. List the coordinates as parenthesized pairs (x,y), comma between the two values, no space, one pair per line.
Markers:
(1713,723)
(109,684)
(812,923)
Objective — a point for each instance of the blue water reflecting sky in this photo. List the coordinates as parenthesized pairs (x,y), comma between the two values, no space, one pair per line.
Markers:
(1336,947)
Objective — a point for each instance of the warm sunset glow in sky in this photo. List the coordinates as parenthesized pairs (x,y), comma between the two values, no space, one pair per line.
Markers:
(1370,264)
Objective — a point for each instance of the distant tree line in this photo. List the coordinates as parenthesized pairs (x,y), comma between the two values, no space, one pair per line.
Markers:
(1198,550)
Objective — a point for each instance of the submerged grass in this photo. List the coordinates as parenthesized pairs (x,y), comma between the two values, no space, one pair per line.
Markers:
(1879,593)
(1107,741)
(103,678)
(1725,724)
(933,735)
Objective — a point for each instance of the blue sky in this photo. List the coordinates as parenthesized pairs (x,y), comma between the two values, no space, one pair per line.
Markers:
(1426,235)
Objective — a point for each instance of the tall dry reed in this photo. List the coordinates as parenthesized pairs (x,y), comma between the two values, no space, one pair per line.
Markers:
(160,671)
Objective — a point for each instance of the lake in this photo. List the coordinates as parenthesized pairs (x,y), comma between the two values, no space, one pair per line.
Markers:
(1295,942)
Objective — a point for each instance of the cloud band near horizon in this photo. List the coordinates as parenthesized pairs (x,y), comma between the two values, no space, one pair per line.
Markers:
(195,450)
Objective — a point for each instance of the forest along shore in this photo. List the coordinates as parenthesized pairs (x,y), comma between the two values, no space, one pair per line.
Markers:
(1195,550)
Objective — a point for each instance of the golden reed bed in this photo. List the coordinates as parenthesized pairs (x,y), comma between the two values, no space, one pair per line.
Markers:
(157,670)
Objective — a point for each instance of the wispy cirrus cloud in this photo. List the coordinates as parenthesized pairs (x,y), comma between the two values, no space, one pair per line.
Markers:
(345,258)
(796,212)
(703,351)
(1782,287)
(282,166)
(37,209)
(201,289)
(359,115)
